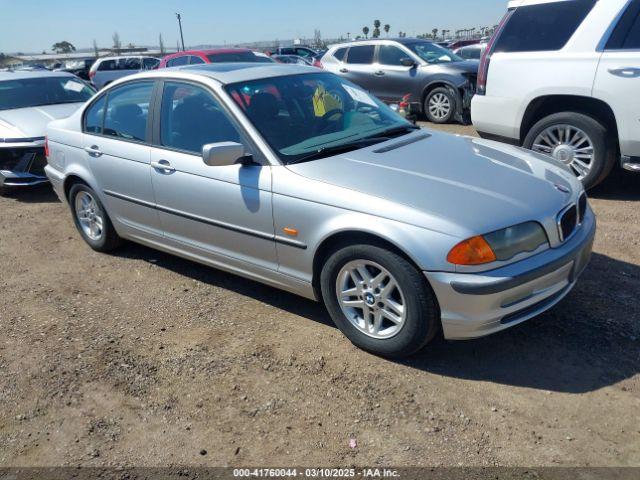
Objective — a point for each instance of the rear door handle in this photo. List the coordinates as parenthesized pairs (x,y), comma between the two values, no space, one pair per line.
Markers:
(164,166)
(379,73)
(628,72)
(93,150)
(343,70)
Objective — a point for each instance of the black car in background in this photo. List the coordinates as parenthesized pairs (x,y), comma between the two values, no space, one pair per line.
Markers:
(437,82)
(79,68)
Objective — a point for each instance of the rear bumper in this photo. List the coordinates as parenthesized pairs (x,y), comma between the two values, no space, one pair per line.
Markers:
(57,181)
(496,116)
(475,305)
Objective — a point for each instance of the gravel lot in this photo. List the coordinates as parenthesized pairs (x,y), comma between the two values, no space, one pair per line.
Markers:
(140,358)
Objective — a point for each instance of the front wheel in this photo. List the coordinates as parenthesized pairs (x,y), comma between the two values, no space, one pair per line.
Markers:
(576,140)
(379,300)
(440,105)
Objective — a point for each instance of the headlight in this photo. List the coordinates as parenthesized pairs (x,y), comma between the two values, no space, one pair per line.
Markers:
(500,245)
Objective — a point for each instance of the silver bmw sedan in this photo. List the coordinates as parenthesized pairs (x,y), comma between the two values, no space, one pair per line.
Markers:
(296,178)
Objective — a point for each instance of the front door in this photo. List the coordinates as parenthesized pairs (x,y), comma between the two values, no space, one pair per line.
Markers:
(223,212)
(392,79)
(116,143)
(618,78)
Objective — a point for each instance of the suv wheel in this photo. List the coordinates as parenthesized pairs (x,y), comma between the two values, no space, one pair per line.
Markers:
(91,219)
(576,140)
(379,300)
(440,105)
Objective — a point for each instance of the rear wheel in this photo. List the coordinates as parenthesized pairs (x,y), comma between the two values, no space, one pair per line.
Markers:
(379,300)
(440,105)
(91,219)
(576,140)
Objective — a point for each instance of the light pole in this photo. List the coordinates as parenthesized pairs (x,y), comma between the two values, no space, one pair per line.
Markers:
(179,17)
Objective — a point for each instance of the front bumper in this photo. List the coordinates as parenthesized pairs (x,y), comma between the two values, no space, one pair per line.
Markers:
(477,304)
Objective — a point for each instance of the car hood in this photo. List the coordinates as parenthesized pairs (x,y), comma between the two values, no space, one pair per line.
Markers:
(465,66)
(31,122)
(475,185)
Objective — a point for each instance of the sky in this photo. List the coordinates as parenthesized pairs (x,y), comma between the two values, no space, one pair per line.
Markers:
(33,26)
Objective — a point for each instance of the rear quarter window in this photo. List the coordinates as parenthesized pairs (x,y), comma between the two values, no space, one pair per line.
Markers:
(543,27)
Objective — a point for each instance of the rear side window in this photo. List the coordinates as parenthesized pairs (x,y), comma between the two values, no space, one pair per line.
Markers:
(195,60)
(626,35)
(543,27)
(339,54)
(176,62)
(150,63)
(127,111)
(94,115)
(130,64)
(361,55)
(107,65)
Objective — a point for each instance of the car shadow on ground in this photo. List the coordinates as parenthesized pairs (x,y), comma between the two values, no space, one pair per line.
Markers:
(620,185)
(37,194)
(587,342)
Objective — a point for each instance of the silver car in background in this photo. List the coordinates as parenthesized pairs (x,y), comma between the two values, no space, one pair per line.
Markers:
(107,69)
(299,179)
(28,101)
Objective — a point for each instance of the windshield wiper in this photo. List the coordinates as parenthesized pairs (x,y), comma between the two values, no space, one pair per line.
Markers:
(343,147)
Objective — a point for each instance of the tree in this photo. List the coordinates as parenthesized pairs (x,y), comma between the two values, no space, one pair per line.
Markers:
(161,43)
(376,28)
(365,30)
(434,32)
(387,27)
(117,44)
(63,47)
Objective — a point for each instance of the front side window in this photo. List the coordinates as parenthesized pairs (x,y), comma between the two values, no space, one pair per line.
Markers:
(543,27)
(361,55)
(314,114)
(191,118)
(127,111)
(37,92)
(390,55)
(340,53)
(150,63)
(94,116)
(195,60)
(432,53)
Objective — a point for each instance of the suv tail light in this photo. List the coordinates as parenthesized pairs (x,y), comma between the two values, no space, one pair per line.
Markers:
(483,70)
(46,147)
(317,63)
(92,73)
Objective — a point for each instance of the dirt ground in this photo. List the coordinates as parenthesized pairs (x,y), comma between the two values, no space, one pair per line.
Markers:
(143,359)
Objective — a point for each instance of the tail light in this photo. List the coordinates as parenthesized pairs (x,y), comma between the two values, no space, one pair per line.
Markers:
(317,63)
(46,147)
(483,71)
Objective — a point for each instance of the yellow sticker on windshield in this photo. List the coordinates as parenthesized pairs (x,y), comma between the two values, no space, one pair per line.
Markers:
(324,102)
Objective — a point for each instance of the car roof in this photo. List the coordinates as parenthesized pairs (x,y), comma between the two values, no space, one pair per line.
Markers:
(23,74)
(524,3)
(226,73)
(372,41)
(116,57)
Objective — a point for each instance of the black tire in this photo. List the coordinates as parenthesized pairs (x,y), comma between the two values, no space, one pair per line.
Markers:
(422,321)
(604,158)
(453,103)
(109,239)
(3,192)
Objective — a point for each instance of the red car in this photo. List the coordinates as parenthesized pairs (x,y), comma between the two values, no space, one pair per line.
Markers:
(218,55)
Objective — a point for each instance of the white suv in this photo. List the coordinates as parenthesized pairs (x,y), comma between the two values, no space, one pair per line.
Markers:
(562,77)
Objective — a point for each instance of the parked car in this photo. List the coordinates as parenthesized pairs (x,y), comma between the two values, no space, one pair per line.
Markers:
(28,101)
(439,82)
(471,52)
(292,59)
(308,53)
(218,55)
(563,78)
(107,69)
(79,68)
(300,179)
(455,44)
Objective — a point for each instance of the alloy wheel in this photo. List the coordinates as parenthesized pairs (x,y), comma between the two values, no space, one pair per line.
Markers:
(569,145)
(439,106)
(371,299)
(89,215)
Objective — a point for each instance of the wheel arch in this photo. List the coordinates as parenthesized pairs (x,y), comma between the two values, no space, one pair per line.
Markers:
(544,106)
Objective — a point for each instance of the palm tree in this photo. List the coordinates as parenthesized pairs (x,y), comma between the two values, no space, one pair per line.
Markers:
(365,30)
(434,33)
(376,28)
(387,27)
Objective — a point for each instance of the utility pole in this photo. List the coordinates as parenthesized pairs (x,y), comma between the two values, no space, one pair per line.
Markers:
(179,17)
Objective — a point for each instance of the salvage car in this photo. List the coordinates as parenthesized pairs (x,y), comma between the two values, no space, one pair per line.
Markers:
(298,178)
(28,101)
(216,55)
(439,83)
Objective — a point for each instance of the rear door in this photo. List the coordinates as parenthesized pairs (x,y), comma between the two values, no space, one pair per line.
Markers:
(116,139)
(618,78)
(222,212)
(359,68)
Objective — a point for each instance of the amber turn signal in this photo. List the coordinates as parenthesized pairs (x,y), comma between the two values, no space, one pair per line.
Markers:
(473,251)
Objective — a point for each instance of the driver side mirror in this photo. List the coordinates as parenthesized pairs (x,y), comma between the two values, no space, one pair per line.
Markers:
(407,62)
(223,154)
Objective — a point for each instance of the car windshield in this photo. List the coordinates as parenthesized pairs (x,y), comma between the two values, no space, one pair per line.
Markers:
(432,53)
(227,57)
(34,92)
(308,116)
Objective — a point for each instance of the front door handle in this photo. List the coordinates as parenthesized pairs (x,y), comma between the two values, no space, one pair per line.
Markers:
(93,150)
(628,72)
(343,70)
(163,166)
(379,73)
